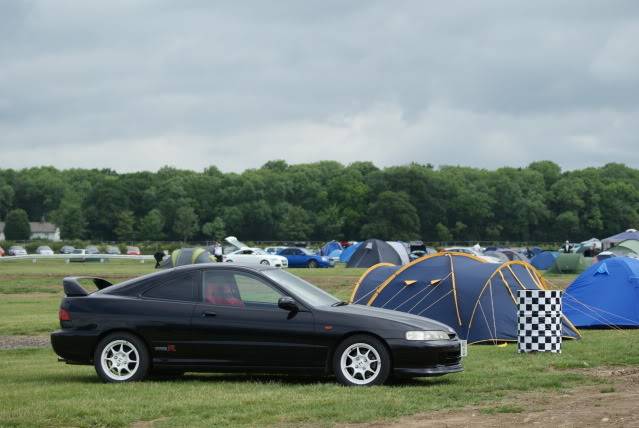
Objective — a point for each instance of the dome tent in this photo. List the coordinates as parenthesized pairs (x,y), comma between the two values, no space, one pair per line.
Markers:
(629,246)
(620,237)
(476,298)
(330,247)
(605,295)
(348,252)
(374,251)
(544,260)
(186,256)
(570,263)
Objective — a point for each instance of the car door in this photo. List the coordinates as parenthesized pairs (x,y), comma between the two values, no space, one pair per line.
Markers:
(164,314)
(298,256)
(238,324)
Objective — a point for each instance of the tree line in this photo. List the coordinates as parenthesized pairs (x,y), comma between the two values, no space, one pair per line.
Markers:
(327,200)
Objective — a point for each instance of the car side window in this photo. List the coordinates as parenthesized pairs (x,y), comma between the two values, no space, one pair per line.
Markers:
(299,252)
(182,287)
(285,252)
(232,288)
(255,291)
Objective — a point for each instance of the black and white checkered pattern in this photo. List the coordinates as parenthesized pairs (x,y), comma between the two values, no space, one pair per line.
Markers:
(540,321)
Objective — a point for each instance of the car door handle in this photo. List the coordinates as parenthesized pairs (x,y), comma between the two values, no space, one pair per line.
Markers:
(209,314)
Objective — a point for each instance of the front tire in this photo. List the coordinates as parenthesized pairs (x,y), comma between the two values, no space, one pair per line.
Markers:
(312,264)
(361,360)
(121,357)
(265,263)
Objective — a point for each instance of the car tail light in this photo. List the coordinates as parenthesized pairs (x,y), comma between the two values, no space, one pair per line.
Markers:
(64,315)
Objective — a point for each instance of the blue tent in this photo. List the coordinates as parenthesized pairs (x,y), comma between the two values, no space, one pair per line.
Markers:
(335,254)
(605,295)
(475,298)
(544,260)
(348,252)
(330,247)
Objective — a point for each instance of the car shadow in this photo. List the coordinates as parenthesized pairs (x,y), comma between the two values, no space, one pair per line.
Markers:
(221,378)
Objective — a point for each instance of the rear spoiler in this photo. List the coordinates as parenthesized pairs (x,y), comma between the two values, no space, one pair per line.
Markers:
(72,287)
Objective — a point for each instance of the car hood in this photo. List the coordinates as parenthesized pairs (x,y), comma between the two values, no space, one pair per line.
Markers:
(413,321)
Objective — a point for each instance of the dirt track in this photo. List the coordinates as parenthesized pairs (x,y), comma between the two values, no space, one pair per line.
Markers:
(17,342)
(614,405)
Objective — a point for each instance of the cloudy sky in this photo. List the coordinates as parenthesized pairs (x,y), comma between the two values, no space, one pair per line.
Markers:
(135,85)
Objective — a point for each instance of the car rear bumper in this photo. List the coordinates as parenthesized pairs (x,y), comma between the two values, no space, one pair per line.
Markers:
(425,358)
(74,346)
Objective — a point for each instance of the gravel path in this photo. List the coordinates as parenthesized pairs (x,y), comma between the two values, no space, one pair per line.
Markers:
(18,342)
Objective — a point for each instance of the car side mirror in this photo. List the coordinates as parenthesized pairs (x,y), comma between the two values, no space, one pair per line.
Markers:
(288,304)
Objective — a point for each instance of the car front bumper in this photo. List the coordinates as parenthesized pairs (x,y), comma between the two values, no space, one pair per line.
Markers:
(425,358)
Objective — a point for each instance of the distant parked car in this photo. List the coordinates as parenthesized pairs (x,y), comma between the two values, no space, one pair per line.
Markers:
(255,256)
(17,250)
(273,250)
(112,249)
(1,252)
(67,249)
(132,251)
(91,249)
(302,257)
(44,250)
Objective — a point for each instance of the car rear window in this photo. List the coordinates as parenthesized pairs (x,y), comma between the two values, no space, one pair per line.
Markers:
(182,287)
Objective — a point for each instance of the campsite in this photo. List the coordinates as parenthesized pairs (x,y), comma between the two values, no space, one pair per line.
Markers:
(494,381)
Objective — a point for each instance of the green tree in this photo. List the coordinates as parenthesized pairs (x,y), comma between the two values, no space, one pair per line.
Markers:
(393,218)
(124,229)
(214,229)
(71,221)
(442,233)
(152,226)
(17,227)
(295,223)
(186,223)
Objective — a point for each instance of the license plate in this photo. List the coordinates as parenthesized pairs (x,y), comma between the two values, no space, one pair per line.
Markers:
(463,348)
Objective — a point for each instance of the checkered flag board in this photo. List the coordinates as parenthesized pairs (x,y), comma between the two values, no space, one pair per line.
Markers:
(539,301)
(539,321)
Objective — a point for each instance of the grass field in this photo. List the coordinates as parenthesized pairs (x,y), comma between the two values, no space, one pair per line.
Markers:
(36,390)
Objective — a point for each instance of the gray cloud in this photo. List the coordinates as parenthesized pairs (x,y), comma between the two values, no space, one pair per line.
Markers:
(137,85)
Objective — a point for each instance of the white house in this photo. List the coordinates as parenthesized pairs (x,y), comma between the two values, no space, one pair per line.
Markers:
(39,230)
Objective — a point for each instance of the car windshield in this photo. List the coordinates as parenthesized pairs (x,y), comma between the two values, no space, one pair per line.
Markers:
(305,290)
(259,251)
(307,251)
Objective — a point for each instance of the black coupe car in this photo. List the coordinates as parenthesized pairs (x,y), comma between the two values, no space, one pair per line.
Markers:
(221,318)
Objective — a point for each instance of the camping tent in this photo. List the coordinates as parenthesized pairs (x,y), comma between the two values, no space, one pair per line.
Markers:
(348,252)
(626,247)
(620,237)
(544,260)
(592,242)
(503,258)
(605,295)
(186,256)
(329,248)
(401,249)
(476,298)
(570,263)
(374,251)
(514,254)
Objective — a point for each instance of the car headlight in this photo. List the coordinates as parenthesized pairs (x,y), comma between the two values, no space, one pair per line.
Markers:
(426,335)
(324,259)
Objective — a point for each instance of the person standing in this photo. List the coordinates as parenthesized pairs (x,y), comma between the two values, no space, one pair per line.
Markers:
(217,251)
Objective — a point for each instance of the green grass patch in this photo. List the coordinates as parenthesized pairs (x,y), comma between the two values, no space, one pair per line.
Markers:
(28,314)
(35,390)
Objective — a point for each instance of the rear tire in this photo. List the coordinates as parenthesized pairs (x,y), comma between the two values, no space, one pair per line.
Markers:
(121,357)
(361,360)
(312,264)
